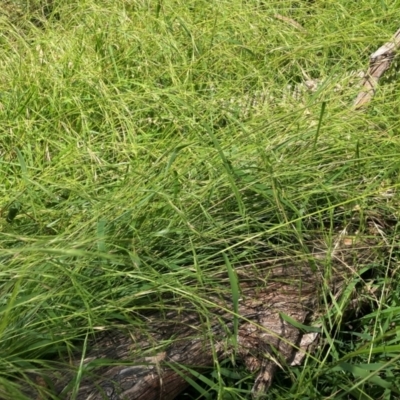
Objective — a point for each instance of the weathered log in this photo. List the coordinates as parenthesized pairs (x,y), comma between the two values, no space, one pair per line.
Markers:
(153,363)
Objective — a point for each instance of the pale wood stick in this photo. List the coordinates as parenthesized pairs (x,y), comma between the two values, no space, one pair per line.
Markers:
(379,63)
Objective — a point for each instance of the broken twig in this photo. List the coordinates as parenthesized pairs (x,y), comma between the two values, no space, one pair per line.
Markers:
(379,63)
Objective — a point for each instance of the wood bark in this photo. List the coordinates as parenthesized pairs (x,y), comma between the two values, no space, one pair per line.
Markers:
(264,341)
(153,363)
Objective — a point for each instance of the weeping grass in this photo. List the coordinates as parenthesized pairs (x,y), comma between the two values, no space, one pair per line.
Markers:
(133,162)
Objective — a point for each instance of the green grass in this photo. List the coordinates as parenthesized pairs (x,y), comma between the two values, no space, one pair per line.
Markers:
(135,173)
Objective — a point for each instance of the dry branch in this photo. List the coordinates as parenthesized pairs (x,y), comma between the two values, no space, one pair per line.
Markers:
(265,340)
(152,364)
(379,63)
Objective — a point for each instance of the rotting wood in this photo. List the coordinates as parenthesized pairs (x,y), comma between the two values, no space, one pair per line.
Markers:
(379,63)
(265,340)
(152,364)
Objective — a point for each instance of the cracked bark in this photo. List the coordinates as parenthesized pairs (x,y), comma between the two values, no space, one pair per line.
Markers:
(153,363)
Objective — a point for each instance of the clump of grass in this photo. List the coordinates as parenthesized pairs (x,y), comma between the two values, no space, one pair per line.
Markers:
(137,156)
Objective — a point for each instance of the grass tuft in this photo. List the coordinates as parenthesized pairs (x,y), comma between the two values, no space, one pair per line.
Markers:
(146,145)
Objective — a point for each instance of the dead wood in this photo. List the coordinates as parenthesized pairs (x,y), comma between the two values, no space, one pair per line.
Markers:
(264,341)
(379,63)
(152,363)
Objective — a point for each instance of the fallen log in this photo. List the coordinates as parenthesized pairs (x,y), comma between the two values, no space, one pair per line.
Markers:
(264,340)
(156,362)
